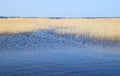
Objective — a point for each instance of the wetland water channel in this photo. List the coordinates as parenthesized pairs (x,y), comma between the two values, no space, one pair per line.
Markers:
(47,54)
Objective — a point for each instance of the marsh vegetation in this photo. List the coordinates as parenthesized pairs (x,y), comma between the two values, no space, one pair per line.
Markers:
(106,28)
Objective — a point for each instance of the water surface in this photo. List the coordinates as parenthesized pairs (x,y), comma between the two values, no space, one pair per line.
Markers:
(58,56)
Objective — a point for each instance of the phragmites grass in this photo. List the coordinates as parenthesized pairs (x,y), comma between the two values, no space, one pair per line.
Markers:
(99,27)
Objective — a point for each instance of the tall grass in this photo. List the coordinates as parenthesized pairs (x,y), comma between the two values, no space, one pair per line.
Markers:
(100,27)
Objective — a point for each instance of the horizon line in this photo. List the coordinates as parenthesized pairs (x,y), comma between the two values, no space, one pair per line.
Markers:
(52,17)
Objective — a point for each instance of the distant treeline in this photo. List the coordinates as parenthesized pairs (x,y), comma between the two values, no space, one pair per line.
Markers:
(60,17)
(79,17)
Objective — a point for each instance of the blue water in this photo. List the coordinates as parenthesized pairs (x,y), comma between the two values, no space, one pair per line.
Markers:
(58,57)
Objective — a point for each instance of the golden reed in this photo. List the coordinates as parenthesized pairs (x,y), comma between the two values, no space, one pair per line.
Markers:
(99,27)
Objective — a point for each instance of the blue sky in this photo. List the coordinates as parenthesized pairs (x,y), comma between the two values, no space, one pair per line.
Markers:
(60,8)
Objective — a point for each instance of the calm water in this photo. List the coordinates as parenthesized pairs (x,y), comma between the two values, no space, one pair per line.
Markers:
(48,54)
(84,61)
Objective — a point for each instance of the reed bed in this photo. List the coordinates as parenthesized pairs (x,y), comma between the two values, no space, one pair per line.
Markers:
(108,28)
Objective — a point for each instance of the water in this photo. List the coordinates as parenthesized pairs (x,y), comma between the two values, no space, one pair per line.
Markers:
(58,60)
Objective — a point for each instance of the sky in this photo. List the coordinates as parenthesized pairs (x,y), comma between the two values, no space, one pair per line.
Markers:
(60,8)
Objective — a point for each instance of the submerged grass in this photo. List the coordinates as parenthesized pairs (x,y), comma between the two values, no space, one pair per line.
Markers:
(107,28)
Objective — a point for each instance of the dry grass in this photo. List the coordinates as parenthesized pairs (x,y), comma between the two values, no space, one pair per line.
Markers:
(100,27)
